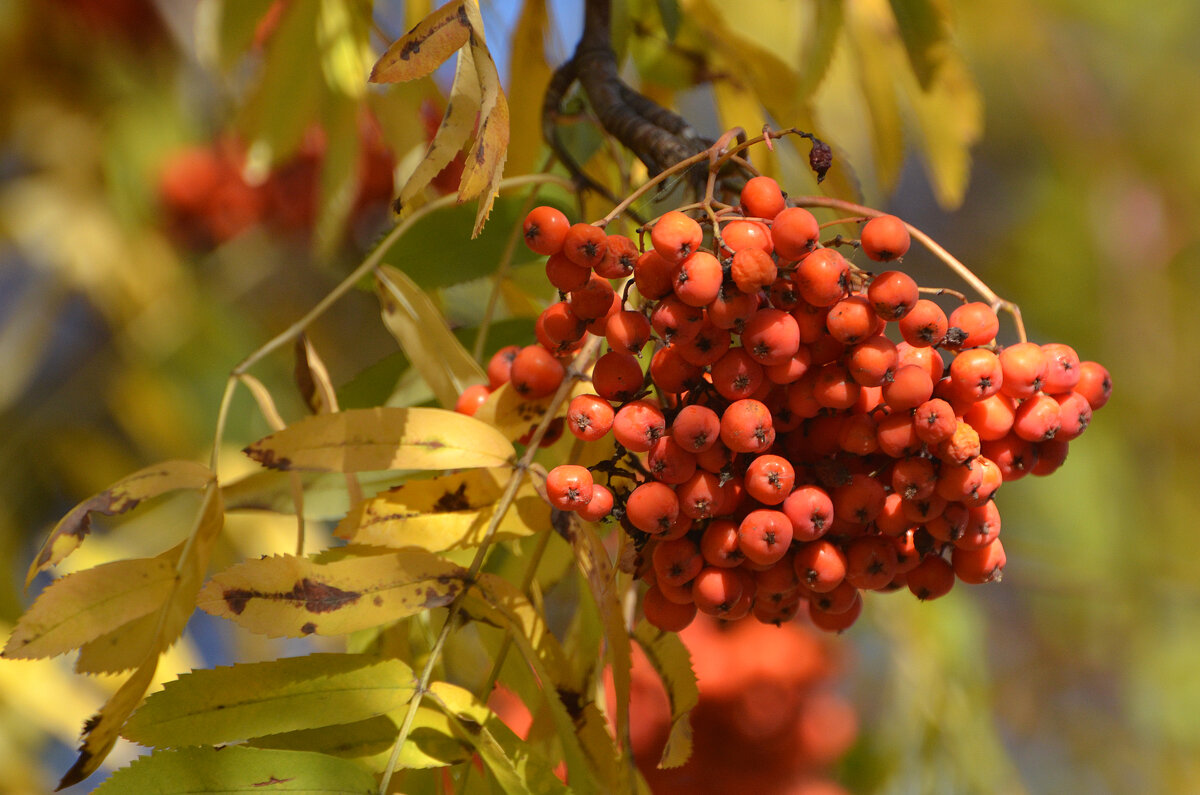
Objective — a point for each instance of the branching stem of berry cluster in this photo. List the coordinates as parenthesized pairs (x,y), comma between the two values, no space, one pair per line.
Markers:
(722,153)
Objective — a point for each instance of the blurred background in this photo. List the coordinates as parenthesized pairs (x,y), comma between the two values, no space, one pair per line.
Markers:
(179,183)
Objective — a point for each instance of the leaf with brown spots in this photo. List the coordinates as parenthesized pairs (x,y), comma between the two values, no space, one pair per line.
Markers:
(446,512)
(293,597)
(423,334)
(423,49)
(512,415)
(239,702)
(382,438)
(240,769)
(484,163)
(124,495)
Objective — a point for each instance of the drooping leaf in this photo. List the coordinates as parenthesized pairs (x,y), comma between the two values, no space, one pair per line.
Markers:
(484,163)
(592,559)
(876,74)
(102,729)
(447,512)
(820,43)
(383,438)
(238,702)
(122,496)
(924,29)
(293,597)
(225,771)
(456,127)
(423,49)
(669,657)
(468,721)
(950,116)
(87,604)
(423,334)
(591,757)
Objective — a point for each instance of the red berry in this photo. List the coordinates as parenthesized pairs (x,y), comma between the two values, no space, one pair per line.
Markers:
(885,238)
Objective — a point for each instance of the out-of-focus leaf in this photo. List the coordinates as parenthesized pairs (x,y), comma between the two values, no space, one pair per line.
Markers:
(668,11)
(312,378)
(343,42)
(950,115)
(669,657)
(239,702)
(339,177)
(122,496)
(423,49)
(237,26)
(383,438)
(201,771)
(924,30)
(877,82)
(289,94)
(287,596)
(425,337)
(468,721)
(324,493)
(820,42)
(87,604)
(529,74)
(449,512)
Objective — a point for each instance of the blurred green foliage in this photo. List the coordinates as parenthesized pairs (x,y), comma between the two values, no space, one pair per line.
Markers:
(1077,674)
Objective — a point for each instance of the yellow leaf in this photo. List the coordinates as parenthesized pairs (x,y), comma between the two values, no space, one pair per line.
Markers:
(312,378)
(670,658)
(343,41)
(529,70)
(449,512)
(87,604)
(293,597)
(102,729)
(425,337)
(456,127)
(484,163)
(512,415)
(426,46)
(122,496)
(950,115)
(384,438)
(876,79)
(121,649)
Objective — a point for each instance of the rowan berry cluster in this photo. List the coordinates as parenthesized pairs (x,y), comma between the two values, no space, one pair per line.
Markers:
(803,429)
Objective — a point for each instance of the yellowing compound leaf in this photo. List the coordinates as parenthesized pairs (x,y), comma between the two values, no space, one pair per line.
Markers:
(384,438)
(293,597)
(122,496)
(240,702)
(924,29)
(358,740)
(119,650)
(87,604)
(670,658)
(447,512)
(457,126)
(423,49)
(102,729)
(467,719)
(424,336)
(485,160)
(237,769)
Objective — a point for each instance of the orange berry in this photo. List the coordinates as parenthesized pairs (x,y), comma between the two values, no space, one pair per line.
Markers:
(1024,366)
(535,372)
(924,325)
(652,508)
(931,578)
(585,245)
(794,232)
(589,417)
(617,376)
(675,236)
(546,230)
(971,325)
(698,279)
(471,399)
(668,616)
(893,294)
(569,487)
(1094,384)
(762,198)
(885,238)
(822,277)
(752,270)
(620,258)
(638,425)
(599,506)
(746,426)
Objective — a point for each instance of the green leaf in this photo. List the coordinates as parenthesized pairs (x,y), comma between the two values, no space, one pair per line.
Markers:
(237,27)
(229,703)
(224,771)
(383,438)
(424,336)
(362,739)
(668,11)
(669,657)
(924,29)
(293,597)
(820,44)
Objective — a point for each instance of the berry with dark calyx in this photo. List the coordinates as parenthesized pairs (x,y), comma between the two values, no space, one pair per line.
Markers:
(569,487)
(585,245)
(675,236)
(885,238)
(546,230)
